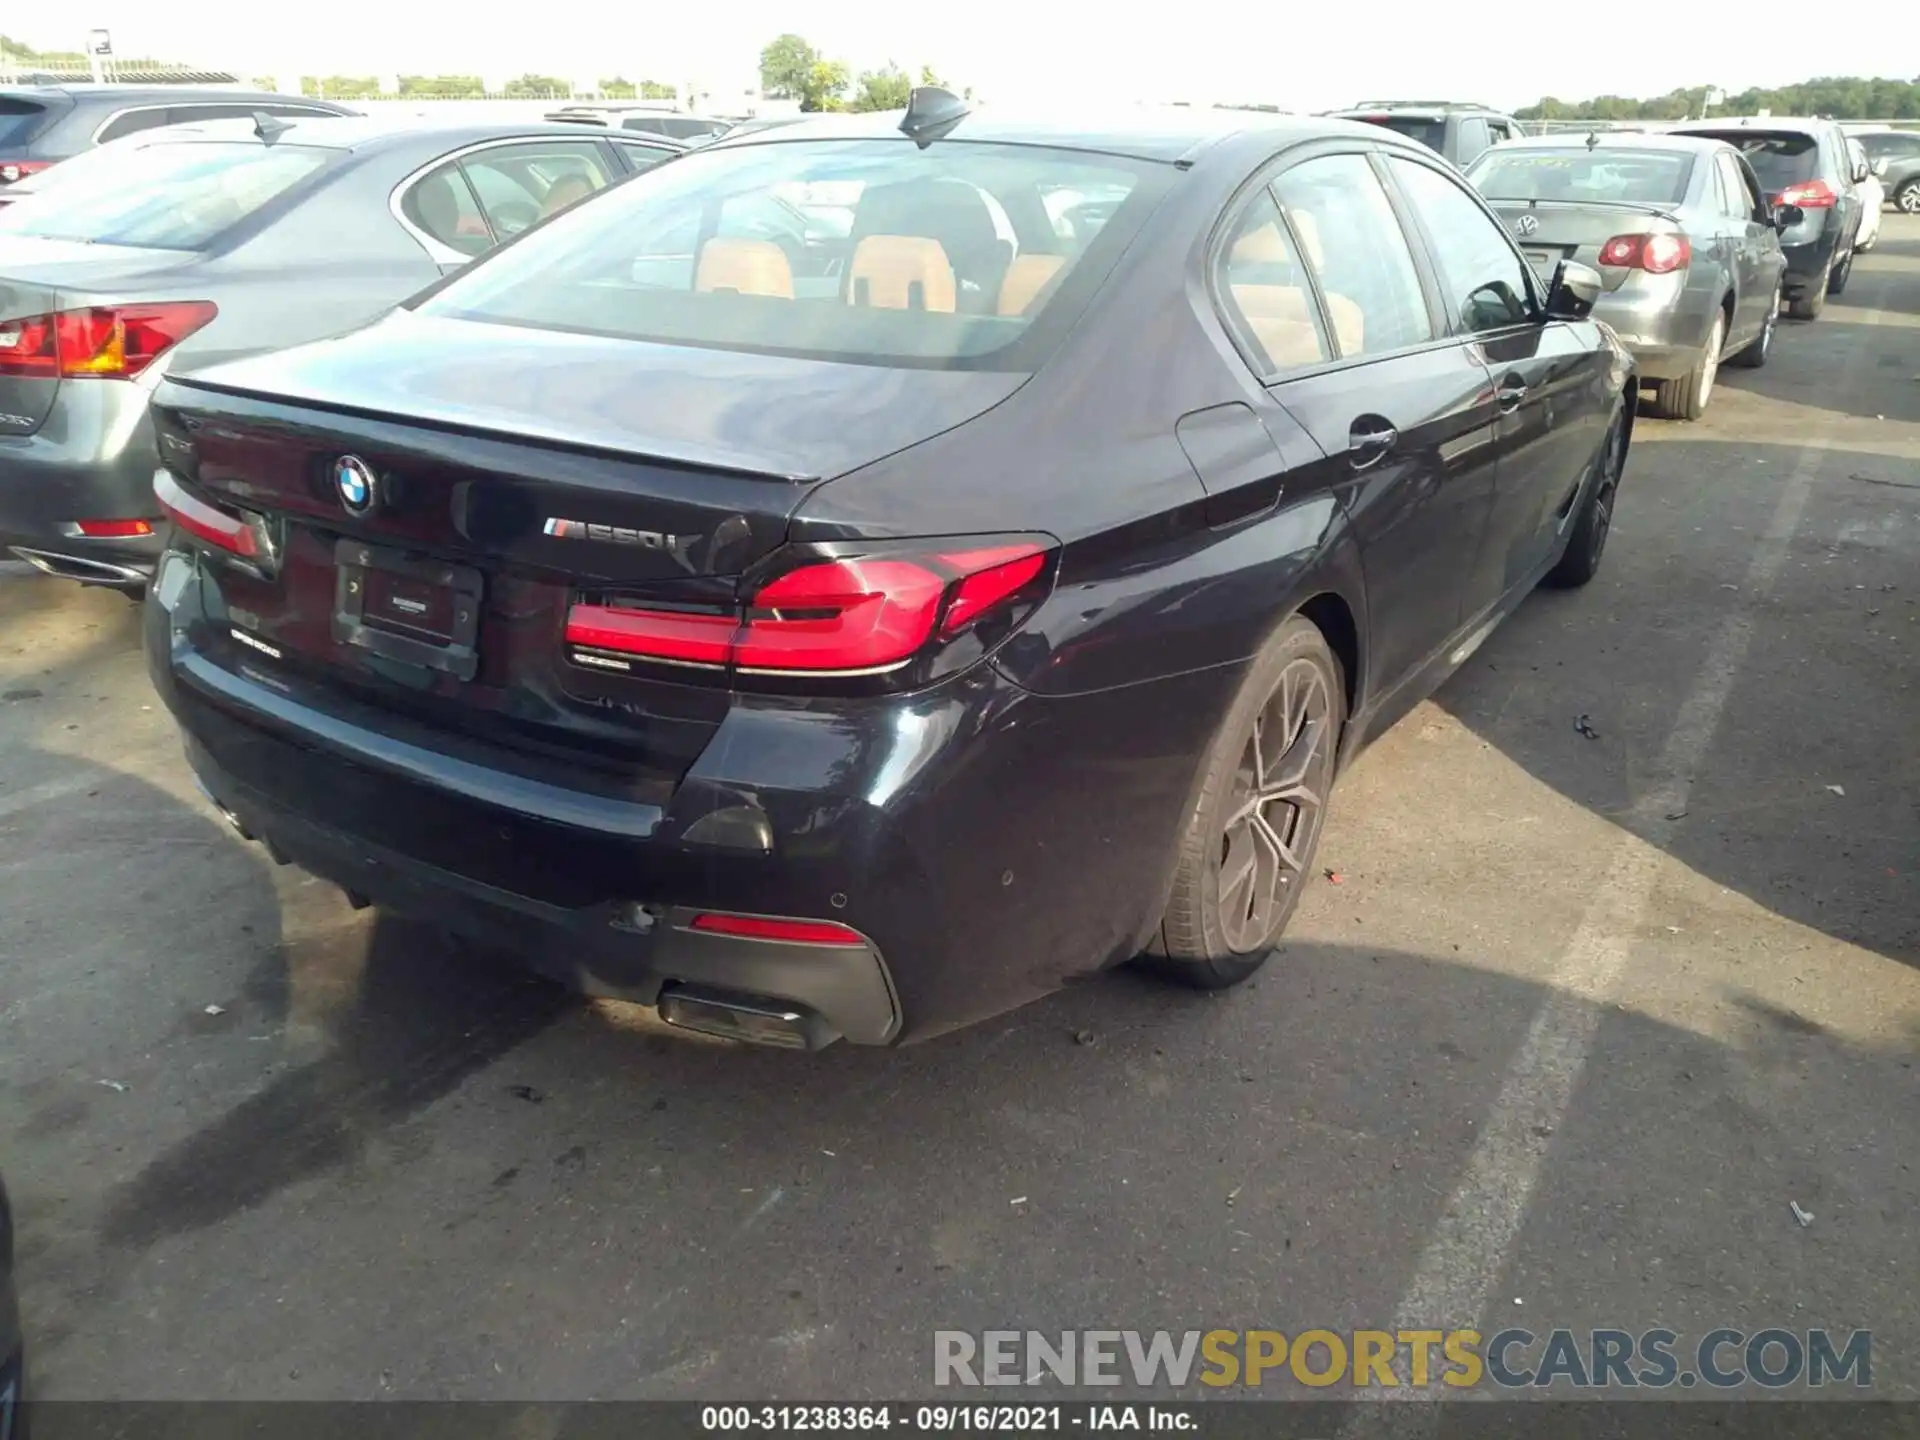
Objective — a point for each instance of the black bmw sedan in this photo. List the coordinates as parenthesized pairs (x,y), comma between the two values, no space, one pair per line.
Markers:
(857,639)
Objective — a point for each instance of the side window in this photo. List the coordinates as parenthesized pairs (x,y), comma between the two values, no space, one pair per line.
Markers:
(1499,130)
(200,114)
(1367,276)
(129,122)
(643,157)
(1482,276)
(1262,284)
(1473,139)
(1733,183)
(442,203)
(521,185)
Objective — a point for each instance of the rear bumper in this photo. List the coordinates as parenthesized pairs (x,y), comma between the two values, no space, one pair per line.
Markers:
(1808,261)
(989,845)
(91,459)
(1664,326)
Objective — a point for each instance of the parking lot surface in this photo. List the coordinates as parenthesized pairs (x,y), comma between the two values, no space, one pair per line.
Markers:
(1584,1017)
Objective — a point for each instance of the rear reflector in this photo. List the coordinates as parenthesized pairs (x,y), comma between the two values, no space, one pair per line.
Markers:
(1657,254)
(113,529)
(862,615)
(100,343)
(798,932)
(215,526)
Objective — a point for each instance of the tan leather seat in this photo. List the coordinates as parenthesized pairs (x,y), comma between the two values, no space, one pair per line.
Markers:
(901,272)
(567,190)
(1026,278)
(1280,319)
(1262,246)
(744,267)
(1349,321)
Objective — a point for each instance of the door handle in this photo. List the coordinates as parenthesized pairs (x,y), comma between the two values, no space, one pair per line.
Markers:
(1369,439)
(1511,392)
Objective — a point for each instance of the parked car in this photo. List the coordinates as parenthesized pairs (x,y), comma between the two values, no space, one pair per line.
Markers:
(1873,198)
(195,244)
(1805,164)
(1688,248)
(1895,156)
(863,654)
(12,1349)
(647,119)
(1458,130)
(41,125)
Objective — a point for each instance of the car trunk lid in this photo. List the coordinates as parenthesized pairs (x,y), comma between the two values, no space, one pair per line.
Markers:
(1549,231)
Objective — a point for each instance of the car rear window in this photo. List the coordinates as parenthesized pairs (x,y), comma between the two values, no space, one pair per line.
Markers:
(1428,131)
(20,120)
(870,251)
(1636,177)
(1780,159)
(167,197)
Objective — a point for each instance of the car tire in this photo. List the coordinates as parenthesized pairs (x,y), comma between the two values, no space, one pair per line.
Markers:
(1245,859)
(1808,306)
(1907,198)
(1757,354)
(1843,272)
(1587,541)
(1686,398)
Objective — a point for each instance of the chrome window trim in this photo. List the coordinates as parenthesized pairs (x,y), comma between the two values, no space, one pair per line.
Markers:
(440,252)
(94,139)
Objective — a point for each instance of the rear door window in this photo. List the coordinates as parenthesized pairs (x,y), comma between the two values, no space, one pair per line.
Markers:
(521,184)
(1266,292)
(1351,239)
(1733,187)
(442,205)
(131,122)
(1485,279)
(165,196)
(643,157)
(20,121)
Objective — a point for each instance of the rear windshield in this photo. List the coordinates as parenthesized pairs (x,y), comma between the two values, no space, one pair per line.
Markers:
(871,251)
(1637,177)
(1429,132)
(1779,160)
(168,197)
(19,120)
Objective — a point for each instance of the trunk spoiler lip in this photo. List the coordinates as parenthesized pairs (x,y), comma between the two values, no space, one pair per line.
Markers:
(665,455)
(1662,212)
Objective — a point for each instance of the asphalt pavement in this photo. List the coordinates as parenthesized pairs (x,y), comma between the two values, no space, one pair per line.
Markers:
(1582,1020)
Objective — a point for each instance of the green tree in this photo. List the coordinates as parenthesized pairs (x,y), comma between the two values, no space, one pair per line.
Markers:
(539,87)
(786,68)
(340,87)
(442,87)
(885,89)
(826,86)
(1839,97)
(617,89)
(654,90)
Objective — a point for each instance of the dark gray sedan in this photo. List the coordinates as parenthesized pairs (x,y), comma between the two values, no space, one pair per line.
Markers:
(1680,231)
(197,244)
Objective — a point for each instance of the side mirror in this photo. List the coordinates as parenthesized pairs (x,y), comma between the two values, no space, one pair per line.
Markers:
(1573,292)
(1785,217)
(1860,173)
(1880,167)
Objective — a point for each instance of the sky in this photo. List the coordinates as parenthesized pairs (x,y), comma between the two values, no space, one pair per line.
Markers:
(1027,53)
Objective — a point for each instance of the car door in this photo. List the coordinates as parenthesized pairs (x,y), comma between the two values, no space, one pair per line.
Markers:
(1325,294)
(1549,382)
(1757,256)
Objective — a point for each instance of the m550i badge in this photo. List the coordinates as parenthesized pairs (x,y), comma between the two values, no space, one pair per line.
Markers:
(678,546)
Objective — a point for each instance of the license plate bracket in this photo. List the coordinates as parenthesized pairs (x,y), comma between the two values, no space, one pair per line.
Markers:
(406,608)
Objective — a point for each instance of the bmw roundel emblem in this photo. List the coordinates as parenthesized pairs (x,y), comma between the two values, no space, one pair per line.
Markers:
(358,487)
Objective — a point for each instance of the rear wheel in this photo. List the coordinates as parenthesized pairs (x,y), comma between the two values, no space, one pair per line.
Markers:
(1588,542)
(1842,273)
(1756,354)
(1686,398)
(1250,841)
(1808,304)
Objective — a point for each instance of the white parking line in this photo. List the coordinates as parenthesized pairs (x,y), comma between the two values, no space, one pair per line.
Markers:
(1474,1238)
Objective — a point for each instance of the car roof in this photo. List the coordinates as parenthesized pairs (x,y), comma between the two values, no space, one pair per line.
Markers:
(1616,140)
(1417,108)
(376,132)
(1805,125)
(1145,132)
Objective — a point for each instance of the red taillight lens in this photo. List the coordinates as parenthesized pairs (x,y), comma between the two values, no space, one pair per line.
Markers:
(213,525)
(113,529)
(859,615)
(1658,254)
(1810,195)
(12,170)
(100,343)
(799,932)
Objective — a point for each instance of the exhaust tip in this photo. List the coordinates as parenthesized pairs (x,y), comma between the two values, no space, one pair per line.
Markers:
(83,568)
(754,1020)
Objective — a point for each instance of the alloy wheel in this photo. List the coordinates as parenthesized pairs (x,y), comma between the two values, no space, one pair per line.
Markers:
(1909,197)
(1275,807)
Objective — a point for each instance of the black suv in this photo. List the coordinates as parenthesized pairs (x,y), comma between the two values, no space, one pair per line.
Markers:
(1803,163)
(43,124)
(1455,129)
(1896,156)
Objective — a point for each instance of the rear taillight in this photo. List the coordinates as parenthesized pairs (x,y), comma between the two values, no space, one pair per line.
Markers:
(1809,195)
(243,534)
(99,343)
(113,529)
(12,170)
(846,616)
(1657,254)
